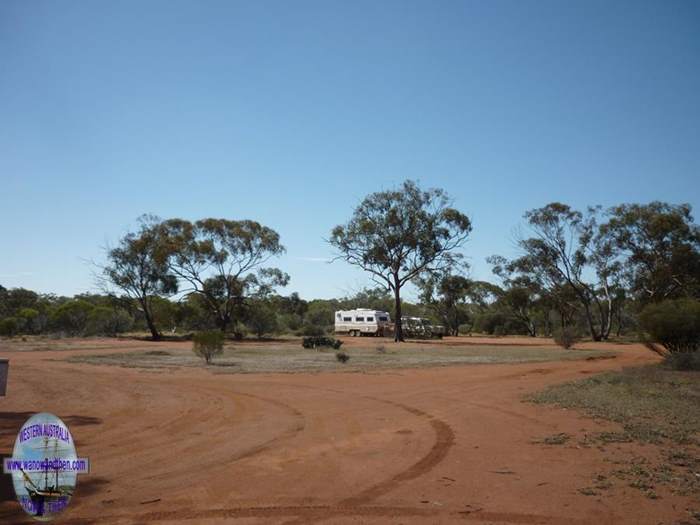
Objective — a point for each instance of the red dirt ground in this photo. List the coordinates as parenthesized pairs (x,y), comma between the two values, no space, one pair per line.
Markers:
(437,445)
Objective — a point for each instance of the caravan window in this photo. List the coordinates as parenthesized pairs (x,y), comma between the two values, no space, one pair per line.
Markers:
(360,319)
(347,319)
(370,319)
(383,318)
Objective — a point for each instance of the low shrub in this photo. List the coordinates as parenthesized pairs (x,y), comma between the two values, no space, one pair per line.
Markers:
(208,344)
(321,341)
(673,323)
(683,361)
(107,321)
(9,326)
(312,330)
(342,357)
(566,337)
(465,329)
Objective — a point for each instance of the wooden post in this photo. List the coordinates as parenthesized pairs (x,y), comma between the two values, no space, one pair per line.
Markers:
(4,368)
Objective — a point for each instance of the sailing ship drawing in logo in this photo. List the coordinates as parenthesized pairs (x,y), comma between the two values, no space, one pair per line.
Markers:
(44,466)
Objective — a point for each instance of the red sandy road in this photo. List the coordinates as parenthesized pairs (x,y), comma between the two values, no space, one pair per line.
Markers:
(405,446)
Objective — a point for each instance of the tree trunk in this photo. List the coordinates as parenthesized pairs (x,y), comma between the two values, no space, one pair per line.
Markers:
(586,302)
(155,334)
(223,321)
(609,316)
(531,328)
(591,325)
(618,311)
(398,332)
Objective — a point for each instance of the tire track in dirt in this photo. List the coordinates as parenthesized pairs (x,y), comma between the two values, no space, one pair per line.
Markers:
(314,513)
(444,440)
(307,514)
(288,433)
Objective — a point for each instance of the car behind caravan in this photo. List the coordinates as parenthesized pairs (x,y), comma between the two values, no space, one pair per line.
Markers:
(362,322)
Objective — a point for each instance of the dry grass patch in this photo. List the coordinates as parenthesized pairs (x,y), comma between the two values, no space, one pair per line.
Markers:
(280,357)
(653,405)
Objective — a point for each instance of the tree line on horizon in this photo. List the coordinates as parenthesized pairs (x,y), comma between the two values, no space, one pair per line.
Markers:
(591,271)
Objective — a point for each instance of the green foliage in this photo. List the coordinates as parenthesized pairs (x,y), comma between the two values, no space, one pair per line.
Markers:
(71,317)
(30,320)
(320,313)
(566,337)
(662,244)
(674,323)
(371,298)
(486,323)
(683,361)
(13,300)
(262,319)
(465,329)
(103,320)
(290,322)
(208,344)
(651,403)
(446,295)
(401,234)
(221,261)
(138,267)
(164,312)
(312,330)
(567,249)
(320,341)
(9,326)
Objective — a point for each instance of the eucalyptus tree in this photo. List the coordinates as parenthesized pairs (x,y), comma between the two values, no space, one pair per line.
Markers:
(566,252)
(398,235)
(222,261)
(138,268)
(661,246)
(447,295)
(521,293)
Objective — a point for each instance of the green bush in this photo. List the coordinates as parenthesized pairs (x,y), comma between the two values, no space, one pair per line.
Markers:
(683,361)
(71,317)
(28,319)
(674,323)
(290,322)
(208,344)
(107,321)
(320,341)
(465,329)
(565,337)
(312,330)
(9,326)
(262,319)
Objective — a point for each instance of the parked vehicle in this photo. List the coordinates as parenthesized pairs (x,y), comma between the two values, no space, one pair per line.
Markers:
(362,321)
(421,328)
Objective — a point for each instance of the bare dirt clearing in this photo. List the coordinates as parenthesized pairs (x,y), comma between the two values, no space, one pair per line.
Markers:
(414,445)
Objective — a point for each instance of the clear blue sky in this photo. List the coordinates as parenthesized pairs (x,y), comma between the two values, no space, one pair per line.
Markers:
(290,112)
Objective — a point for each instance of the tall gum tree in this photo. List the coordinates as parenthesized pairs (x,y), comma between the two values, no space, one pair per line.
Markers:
(661,246)
(564,249)
(398,235)
(223,261)
(137,268)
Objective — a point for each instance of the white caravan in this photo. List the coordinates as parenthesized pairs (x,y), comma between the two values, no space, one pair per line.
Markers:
(362,322)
